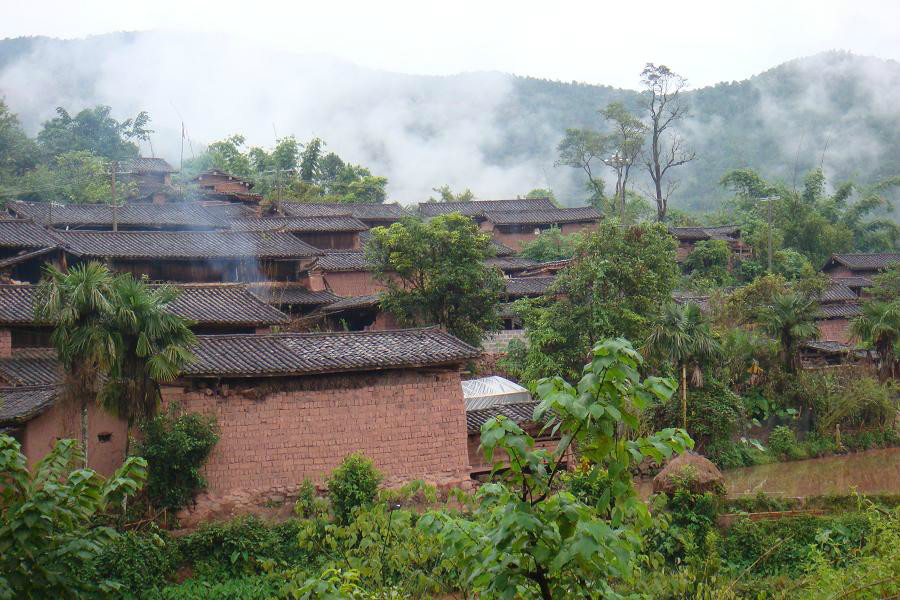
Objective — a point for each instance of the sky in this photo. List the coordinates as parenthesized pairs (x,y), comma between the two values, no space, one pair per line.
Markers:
(597,42)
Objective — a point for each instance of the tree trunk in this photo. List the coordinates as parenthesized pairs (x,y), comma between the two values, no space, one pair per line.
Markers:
(684,396)
(84,430)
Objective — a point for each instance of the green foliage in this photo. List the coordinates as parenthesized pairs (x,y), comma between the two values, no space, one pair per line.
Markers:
(354,484)
(550,245)
(857,402)
(73,177)
(531,538)
(93,130)
(615,286)
(138,562)
(878,327)
(783,442)
(694,514)
(715,415)
(176,447)
(246,587)
(790,319)
(47,544)
(18,153)
(240,546)
(447,195)
(585,150)
(435,274)
(307,504)
(710,259)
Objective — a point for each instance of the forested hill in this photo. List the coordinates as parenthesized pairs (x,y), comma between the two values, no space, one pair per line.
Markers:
(492,132)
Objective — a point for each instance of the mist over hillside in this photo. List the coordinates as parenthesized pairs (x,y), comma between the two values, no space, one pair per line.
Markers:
(492,132)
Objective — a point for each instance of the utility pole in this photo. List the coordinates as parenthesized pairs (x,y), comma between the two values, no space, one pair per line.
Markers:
(115,214)
(769,211)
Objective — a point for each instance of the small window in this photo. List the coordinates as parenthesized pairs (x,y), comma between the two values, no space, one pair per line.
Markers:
(103,438)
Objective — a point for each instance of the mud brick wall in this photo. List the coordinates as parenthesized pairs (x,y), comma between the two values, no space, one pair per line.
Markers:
(274,434)
(835,330)
(5,343)
(352,283)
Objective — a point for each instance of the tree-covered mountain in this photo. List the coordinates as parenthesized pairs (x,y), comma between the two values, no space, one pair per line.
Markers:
(491,132)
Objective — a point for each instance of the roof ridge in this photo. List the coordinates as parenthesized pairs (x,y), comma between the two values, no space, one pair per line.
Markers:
(323,333)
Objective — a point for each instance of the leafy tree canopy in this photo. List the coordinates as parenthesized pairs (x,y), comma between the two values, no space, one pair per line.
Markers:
(93,130)
(435,274)
(616,284)
(550,245)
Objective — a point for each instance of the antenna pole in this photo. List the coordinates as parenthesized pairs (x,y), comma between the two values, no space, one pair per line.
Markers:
(112,184)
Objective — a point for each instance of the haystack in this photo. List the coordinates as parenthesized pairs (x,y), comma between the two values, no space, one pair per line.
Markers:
(702,474)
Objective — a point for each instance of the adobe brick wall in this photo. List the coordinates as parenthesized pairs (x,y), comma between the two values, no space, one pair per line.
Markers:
(5,343)
(835,330)
(352,283)
(499,340)
(411,423)
(63,420)
(517,240)
(839,271)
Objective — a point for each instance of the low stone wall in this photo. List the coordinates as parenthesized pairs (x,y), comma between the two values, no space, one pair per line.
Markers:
(498,341)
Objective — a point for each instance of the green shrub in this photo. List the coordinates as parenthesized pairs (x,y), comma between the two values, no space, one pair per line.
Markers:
(761,502)
(176,448)
(352,485)
(138,561)
(248,587)
(857,402)
(787,545)
(731,455)
(715,414)
(307,504)
(783,443)
(239,546)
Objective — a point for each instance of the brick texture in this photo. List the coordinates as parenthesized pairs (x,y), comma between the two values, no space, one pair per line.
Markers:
(410,423)
(498,341)
(5,343)
(352,283)
(835,330)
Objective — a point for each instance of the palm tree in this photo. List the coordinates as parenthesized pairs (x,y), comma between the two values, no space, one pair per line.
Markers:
(790,319)
(683,336)
(879,327)
(152,345)
(78,304)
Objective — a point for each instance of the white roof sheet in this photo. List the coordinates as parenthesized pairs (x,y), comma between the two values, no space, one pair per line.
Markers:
(493,391)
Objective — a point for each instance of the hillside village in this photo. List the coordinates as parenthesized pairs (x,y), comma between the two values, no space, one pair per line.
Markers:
(499,337)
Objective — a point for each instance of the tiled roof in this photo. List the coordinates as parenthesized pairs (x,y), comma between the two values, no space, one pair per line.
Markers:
(721,232)
(223,304)
(510,264)
(839,310)
(701,300)
(826,346)
(837,292)
(277,294)
(519,413)
(16,304)
(528,286)
(185,244)
(501,249)
(310,353)
(300,224)
(176,214)
(143,165)
(552,266)
(353,302)
(207,304)
(543,216)
(477,208)
(349,260)
(18,405)
(365,212)
(30,366)
(853,282)
(865,262)
(218,173)
(23,233)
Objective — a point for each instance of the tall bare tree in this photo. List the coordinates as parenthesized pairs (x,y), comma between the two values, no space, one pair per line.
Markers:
(666,149)
(627,139)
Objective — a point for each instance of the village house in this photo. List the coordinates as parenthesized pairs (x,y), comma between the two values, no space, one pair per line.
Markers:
(373,215)
(181,216)
(24,247)
(292,298)
(291,406)
(341,232)
(859,265)
(216,185)
(515,222)
(151,179)
(344,273)
(194,256)
(356,313)
(838,304)
(689,236)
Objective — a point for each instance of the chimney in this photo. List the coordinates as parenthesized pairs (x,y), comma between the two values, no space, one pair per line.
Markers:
(5,343)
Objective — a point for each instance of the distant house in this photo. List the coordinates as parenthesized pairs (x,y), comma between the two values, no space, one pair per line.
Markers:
(373,215)
(341,232)
(293,298)
(181,216)
(195,256)
(838,305)
(152,178)
(859,265)
(219,185)
(24,247)
(689,236)
(344,273)
(357,313)
(515,222)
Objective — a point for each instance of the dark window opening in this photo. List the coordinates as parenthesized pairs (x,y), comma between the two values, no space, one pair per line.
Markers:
(104,437)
